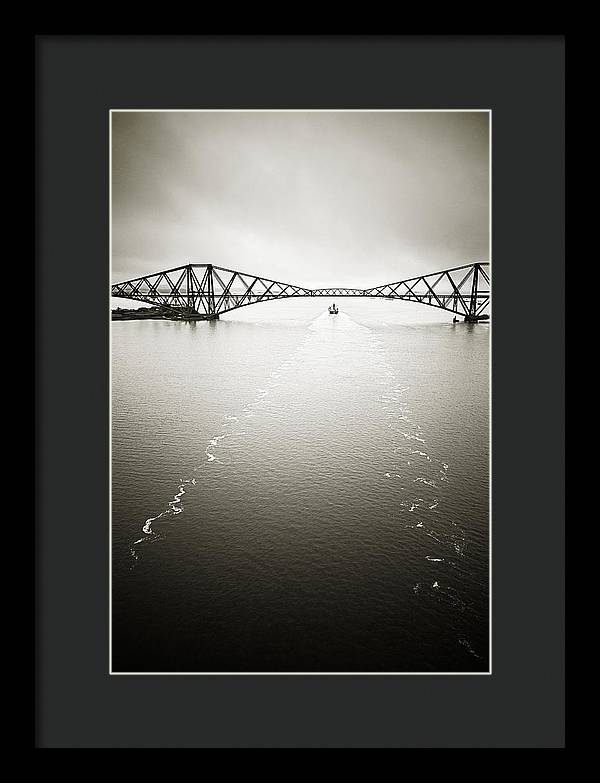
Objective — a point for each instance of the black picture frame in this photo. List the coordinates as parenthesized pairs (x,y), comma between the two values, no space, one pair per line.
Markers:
(78,80)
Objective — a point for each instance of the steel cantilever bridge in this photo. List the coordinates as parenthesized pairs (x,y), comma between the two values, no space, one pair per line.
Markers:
(204,291)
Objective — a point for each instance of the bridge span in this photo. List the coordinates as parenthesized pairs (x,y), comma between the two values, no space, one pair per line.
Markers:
(205,291)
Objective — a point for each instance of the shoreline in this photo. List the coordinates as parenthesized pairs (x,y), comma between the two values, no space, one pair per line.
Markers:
(134,315)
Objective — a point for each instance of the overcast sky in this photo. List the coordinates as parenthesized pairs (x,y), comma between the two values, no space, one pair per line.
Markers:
(317,199)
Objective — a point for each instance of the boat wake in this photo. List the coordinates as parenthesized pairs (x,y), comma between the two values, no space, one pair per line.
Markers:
(415,474)
(153,528)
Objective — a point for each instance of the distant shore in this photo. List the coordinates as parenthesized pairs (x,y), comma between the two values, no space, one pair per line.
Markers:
(141,313)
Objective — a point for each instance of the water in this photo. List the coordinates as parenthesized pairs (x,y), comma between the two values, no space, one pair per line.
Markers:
(294,491)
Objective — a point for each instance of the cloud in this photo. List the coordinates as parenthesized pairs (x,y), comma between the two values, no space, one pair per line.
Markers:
(313,198)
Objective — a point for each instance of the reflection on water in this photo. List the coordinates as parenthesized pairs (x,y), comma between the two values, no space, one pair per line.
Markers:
(295,491)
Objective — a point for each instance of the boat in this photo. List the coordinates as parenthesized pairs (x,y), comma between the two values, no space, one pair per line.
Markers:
(333,310)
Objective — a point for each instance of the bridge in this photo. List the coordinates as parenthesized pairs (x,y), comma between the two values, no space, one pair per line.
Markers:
(204,291)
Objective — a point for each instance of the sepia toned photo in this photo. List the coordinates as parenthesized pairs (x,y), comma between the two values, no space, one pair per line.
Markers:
(300,318)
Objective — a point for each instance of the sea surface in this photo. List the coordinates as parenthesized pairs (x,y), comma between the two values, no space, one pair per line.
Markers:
(299,492)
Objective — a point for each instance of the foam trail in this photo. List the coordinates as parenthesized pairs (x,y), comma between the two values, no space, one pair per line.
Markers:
(147,528)
(175,506)
(422,480)
(421,454)
(466,644)
(409,452)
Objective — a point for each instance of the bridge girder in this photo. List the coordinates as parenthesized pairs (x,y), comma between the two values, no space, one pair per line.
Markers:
(206,291)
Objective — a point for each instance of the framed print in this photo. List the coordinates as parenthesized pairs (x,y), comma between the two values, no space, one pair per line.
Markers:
(291,419)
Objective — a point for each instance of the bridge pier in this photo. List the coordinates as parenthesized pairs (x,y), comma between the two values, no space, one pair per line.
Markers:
(200,317)
(188,314)
(473,319)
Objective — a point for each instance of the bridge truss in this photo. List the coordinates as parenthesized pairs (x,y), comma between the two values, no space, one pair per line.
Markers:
(204,291)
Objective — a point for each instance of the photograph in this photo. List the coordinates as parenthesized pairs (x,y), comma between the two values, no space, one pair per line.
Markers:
(300,391)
